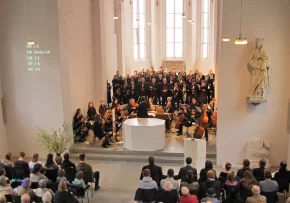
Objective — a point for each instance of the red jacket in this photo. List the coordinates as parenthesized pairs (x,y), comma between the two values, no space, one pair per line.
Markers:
(188,199)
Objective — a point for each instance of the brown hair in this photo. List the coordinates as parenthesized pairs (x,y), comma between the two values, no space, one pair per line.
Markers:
(80,175)
(62,186)
(22,154)
(61,173)
(35,157)
(231,176)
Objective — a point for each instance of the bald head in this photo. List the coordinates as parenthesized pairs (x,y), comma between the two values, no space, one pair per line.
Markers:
(256,190)
(25,198)
(168,186)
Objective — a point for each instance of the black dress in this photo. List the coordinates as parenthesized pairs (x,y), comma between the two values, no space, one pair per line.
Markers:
(91,114)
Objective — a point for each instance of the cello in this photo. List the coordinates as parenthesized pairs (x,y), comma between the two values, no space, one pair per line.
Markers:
(201,125)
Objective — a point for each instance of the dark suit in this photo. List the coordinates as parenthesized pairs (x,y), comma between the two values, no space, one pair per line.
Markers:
(155,173)
(167,197)
(216,185)
(21,168)
(183,171)
(241,172)
(102,110)
(259,173)
(142,110)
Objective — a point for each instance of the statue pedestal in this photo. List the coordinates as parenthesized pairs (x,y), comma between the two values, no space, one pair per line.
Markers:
(256,100)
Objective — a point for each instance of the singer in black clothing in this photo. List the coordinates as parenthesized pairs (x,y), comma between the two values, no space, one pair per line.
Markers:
(142,109)
(91,114)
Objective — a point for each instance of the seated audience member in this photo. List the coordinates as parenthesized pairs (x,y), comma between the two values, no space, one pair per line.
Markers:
(50,163)
(25,188)
(259,172)
(7,161)
(58,159)
(288,200)
(283,173)
(224,174)
(2,198)
(170,174)
(155,171)
(256,196)
(63,195)
(21,167)
(246,167)
(34,161)
(67,163)
(36,175)
(211,182)
(5,188)
(246,184)
(61,175)
(47,198)
(186,197)
(86,168)
(3,173)
(183,171)
(268,185)
(210,196)
(147,182)
(234,197)
(203,172)
(231,179)
(167,196)
(190,182)
(41,190)
(79,179)
(25,198)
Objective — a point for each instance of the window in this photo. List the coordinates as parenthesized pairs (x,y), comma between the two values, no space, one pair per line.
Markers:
(139,31)
(205,28)
(174,28)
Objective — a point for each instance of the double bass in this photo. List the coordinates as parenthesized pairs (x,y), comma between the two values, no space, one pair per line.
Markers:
(201,125)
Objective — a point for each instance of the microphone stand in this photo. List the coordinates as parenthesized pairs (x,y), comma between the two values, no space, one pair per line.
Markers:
(121,124)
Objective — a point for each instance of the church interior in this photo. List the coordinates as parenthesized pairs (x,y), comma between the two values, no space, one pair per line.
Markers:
(212,76)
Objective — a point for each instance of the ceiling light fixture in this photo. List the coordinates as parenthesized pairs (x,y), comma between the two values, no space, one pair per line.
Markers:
(226,38)
(241,40)
(30,41)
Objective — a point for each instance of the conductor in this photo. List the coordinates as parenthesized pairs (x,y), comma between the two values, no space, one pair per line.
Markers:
(142,109)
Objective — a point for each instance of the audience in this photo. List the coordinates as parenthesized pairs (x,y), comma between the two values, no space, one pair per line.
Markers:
(36,174)
(283,173)
(268,185)
(34,161)
(224,174)
(5,188)
(231,179)
(147,182)
(25,198)
(211,182)
(155,171)
(3,173)
(259,172)
(190,182)
(47,198)
(25,188)
(248,181)
(210,196)
(79,180)
(41,190)
(67,163)
(63,195)
(203,172)
(234,197)
(183,171)
(61,175)
(246,167)
(7,161)
(167,196)
(170,174)
(50,163)
(2,198)
(86,168)
(58,159)
(186,197)
(21,167)
(256,196)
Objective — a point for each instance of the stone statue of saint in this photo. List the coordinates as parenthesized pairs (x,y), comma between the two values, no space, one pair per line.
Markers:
(259,68)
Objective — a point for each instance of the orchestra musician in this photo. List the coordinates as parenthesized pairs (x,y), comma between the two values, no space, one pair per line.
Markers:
(207,110)
(142,109)
(91,113)
(115,102)
(79,125)
(186,121)
(100,132)
(151,105)
(168,109)
(102,108)
(132,106)
(195,110)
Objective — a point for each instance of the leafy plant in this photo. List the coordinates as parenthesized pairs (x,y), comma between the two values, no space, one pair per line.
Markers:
(54,141)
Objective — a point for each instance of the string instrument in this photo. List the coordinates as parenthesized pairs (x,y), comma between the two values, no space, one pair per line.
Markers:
(201,125)
(179,121)
(214,118)
(107,117)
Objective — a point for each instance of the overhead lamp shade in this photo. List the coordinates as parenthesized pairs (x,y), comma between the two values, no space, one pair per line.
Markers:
(183,15)
(30,42)
(189,20)
(149,23)
(226,39)
(116,17)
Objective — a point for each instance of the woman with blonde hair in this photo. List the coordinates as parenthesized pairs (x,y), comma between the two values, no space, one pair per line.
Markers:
(63,195)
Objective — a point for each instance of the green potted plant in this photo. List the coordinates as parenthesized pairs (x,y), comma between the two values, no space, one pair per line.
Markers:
(54,141)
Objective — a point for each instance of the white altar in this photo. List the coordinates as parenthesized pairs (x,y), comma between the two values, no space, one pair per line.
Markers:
(144,134)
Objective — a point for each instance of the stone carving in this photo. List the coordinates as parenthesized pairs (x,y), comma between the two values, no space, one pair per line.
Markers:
(259,65)
(257,149)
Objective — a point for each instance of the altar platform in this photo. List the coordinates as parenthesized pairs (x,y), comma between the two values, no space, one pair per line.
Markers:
(173,152)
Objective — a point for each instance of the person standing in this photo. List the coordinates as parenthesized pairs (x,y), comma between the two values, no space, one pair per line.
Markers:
(164,91)
(91,113)
(142,109)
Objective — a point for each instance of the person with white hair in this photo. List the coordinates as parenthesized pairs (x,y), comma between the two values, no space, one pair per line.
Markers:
(167,196)
(25,198)
(256,196)
(186,197)
(47,198)
(2,199)
(41,190)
